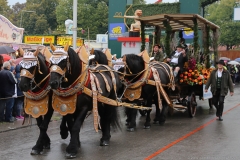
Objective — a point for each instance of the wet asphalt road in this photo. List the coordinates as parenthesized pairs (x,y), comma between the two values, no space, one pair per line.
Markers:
(181,138)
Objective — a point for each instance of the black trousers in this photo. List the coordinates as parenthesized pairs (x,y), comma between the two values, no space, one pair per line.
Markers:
(218,102)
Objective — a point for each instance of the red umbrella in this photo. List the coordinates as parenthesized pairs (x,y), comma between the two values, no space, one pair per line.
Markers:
(6,57)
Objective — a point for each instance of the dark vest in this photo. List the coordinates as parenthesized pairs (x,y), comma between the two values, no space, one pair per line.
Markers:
(219,79)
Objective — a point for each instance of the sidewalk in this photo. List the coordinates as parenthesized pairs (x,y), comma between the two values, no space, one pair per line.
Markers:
(6,126)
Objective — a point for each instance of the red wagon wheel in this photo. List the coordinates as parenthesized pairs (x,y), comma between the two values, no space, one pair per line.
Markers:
(192,105)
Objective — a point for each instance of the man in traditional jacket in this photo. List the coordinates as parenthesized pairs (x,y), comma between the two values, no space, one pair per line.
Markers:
(220,81)
(157,53)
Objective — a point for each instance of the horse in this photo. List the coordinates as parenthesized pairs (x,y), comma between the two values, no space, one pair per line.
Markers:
(34,82)
(67,73)
(146,80)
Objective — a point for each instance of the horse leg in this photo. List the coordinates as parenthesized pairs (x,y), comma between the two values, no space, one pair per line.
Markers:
(132,122)
(162,116)
(64,128)
(72,148)
(147,124)
(157,114)
(70,122)
(127,112)
(43,141)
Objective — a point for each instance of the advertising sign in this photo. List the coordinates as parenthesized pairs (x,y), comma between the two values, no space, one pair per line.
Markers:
(10,33)
(39,39)
(102,38)
(236,14)
(61,41)
(188,33)
(116,30)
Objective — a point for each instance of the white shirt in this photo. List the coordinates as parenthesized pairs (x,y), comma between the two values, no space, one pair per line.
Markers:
(175,57)
(219,73)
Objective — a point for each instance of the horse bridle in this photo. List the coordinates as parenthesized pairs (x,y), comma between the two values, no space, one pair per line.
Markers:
(55,68)
(26,73)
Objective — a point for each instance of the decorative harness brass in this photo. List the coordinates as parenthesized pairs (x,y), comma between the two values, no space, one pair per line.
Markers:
(35,104)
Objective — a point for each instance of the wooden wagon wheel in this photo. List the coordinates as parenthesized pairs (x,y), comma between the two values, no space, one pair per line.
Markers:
(192,105)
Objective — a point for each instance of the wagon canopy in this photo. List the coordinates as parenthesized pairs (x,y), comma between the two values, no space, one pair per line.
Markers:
(177,21)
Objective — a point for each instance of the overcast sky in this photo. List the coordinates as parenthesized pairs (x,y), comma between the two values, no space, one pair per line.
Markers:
(12,2)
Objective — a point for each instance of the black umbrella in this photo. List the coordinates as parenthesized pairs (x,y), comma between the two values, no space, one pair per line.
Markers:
(6,49)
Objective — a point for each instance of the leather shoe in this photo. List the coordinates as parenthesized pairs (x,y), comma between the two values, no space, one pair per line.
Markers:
(220,118)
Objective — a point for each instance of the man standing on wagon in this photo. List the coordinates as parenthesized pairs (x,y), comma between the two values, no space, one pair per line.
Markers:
(177,60)
(220,81)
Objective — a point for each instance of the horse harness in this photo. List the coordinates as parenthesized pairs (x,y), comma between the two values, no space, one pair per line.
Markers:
(133,90)
(35,103)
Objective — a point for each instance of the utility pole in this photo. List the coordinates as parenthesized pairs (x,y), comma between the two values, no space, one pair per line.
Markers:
(74,24)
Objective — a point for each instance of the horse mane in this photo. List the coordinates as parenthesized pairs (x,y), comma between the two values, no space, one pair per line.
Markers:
(75,63)
(135,63)
(100,57)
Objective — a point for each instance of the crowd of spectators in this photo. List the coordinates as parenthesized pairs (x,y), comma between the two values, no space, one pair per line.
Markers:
(11,97)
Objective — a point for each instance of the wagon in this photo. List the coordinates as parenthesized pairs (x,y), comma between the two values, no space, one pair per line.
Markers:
(184,98)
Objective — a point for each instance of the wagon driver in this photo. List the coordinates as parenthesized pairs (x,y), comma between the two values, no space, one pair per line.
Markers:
(177,59)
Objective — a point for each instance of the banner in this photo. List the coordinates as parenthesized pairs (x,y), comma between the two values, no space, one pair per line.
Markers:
(188,33)
(63,40)
(10,33)
(39,39)
(116,30)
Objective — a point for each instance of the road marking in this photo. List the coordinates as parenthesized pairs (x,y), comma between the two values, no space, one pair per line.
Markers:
(186,136)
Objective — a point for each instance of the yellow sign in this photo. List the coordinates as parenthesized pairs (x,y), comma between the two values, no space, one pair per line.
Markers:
(61,41)
(39,39)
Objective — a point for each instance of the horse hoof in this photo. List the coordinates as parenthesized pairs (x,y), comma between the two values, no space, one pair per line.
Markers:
(64,134)
(36,152)
(104,142)
(147,127)
(46,146)
(130,129)
(70,155)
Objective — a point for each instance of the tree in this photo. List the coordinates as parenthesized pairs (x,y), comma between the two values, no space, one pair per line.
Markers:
(221,13)
(5,9)
(44,9)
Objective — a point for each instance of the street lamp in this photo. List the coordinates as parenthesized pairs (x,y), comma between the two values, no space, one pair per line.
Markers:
(22,14)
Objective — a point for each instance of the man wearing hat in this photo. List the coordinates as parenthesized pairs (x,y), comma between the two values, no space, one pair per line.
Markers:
(177,59)
(220,81)
(157,53)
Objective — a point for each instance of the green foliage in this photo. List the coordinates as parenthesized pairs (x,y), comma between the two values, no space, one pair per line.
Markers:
(153,9)
(168,37)
(195,40)
(143,46)
(221,13)
(230,32)
(207,2)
